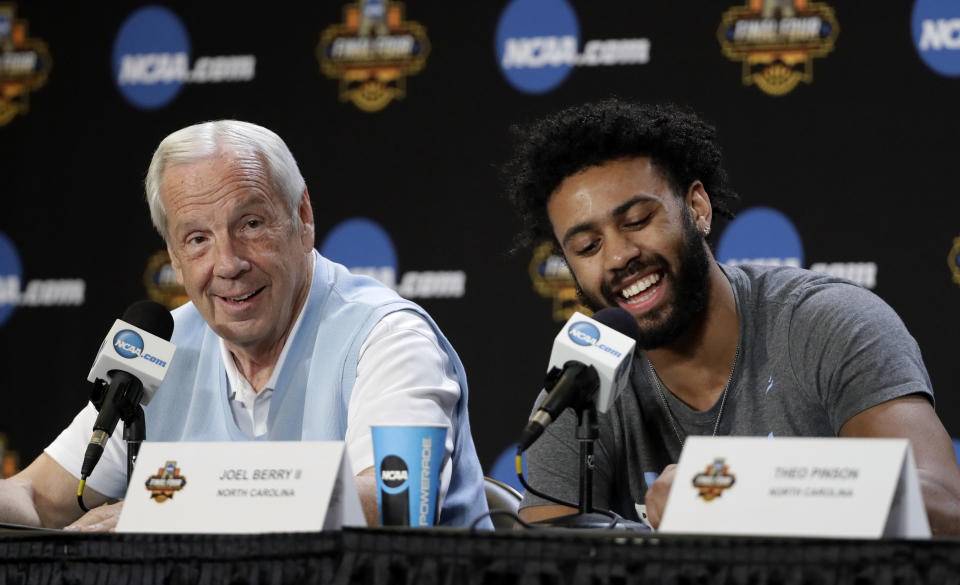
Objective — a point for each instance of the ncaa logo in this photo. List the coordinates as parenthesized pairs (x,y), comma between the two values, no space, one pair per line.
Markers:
(10,273)
(536,43)
(393,473)
(584,333)
(767,237)
(128,343)
(761,235)
(42,292)
(150,51)
(365,248)
(936,34)
(151,59)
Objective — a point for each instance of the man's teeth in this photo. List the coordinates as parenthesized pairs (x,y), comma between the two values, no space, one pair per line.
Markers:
(641,285)
(241,297)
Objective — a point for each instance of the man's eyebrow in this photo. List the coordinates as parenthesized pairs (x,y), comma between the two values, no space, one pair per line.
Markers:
(249,202)
(626,205)
(185,228)
(617,211)
(576,229)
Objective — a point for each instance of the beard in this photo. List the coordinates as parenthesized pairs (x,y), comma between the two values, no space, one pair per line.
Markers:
(665,324)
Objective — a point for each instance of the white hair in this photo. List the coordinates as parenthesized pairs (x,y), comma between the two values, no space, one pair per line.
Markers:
(207,139)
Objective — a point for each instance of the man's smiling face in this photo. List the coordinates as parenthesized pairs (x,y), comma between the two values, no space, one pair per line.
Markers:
(237,249)
(631,242)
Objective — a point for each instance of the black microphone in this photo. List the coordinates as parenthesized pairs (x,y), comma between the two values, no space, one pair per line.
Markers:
(564,387)
(134,358)
(590,364)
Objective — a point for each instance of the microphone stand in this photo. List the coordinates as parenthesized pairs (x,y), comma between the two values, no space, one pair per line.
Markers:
(587,433)
(134,433)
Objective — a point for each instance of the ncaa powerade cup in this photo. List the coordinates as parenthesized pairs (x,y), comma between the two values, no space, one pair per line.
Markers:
(408,460)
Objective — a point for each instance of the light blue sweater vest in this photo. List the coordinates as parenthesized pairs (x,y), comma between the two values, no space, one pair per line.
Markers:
(313,388)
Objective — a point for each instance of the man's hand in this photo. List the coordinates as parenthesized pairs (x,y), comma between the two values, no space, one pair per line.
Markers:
(101,519)
(656,498)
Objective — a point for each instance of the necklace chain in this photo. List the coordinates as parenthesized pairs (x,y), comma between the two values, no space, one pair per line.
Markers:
(666,408)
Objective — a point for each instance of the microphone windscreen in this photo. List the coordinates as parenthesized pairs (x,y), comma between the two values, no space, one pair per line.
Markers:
(150,316)
(619,319)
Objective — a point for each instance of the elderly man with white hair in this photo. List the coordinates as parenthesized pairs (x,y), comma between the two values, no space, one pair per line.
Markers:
(277,343)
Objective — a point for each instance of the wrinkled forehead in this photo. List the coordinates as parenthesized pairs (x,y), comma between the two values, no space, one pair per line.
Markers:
(224,167)
(216,182)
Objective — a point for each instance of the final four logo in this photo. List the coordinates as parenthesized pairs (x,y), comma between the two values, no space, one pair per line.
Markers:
(24,64)
(372,52)
(160,280)
(712,481)
(166,482)
(552,279)
(953,260)
(777,40)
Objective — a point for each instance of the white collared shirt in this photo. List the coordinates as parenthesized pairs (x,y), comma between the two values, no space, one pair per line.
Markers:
(407,351)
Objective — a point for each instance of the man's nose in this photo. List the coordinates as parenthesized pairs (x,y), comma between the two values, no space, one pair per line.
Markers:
(619,250)
(231,261)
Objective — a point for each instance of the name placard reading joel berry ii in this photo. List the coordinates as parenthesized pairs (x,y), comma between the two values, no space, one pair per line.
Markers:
(252,487)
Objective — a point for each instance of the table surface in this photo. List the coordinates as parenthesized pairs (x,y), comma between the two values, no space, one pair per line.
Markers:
(386,555)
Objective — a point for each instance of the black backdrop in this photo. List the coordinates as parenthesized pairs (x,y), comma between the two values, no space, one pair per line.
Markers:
(861,159)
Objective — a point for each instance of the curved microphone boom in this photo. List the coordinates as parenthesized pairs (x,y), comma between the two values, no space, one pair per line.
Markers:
(589,365)
(134,358)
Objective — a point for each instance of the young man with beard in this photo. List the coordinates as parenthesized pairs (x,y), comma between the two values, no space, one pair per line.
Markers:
(628,194)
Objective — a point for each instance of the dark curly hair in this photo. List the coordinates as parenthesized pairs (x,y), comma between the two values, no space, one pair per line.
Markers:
(681,145)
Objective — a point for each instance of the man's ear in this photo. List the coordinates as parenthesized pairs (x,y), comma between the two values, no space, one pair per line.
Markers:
(175,264)
(698,202)
(305,220)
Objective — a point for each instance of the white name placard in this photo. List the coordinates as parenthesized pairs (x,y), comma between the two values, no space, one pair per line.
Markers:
(814,487)
(241,487)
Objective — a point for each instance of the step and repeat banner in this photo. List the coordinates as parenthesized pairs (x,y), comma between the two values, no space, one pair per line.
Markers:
(838,121)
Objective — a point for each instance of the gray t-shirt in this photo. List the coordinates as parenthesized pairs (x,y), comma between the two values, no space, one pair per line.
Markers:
(814,351)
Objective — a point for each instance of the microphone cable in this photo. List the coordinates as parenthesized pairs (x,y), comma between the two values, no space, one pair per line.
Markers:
(83,483)
(529,488)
